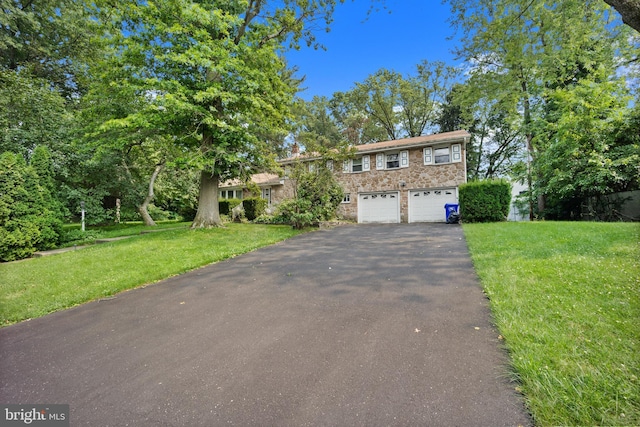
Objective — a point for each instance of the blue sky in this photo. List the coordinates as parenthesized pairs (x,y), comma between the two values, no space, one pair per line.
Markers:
(397,38)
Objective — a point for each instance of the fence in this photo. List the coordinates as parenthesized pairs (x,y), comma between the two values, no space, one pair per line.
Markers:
(624,206)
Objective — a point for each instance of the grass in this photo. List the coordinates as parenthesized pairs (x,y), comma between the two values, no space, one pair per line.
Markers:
(35,287)
(566,299)
(76,237)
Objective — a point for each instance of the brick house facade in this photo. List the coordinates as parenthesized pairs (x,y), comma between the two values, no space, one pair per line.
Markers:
(406,180)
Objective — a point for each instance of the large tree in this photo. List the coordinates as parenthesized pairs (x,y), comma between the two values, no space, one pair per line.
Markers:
(629,10)
(520,50)
(395,106)
(314,123)
(50,40)
(212,77)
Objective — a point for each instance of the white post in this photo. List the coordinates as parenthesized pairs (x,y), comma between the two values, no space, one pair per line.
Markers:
(82,207)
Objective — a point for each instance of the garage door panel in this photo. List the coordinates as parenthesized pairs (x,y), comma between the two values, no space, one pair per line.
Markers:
(379,207)
(428,205)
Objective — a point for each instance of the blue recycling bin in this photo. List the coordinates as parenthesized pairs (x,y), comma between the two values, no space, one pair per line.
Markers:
(450,208)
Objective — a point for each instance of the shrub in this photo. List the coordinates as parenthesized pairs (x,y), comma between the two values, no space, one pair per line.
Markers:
(226,205)
(254,207)
(29,220)
(297,212)
(485,201)
(318,198)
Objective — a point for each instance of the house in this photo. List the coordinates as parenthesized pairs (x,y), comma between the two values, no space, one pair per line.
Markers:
(405,180)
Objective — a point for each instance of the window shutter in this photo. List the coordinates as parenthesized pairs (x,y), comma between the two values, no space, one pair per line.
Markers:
(345,166)
(428,156)
(365,163)
(404,159)
(456,153)
(330,165)
(380,161)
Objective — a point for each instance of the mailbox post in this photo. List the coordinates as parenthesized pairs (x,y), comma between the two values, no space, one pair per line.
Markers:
(82,213)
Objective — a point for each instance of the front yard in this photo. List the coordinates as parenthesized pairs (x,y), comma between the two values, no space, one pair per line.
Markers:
(566,298)
(35,287)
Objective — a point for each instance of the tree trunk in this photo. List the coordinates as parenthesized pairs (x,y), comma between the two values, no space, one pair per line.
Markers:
(208,214)
(145,204)
(629,10)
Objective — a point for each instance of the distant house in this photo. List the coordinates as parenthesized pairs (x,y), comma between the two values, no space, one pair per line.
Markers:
(405,180)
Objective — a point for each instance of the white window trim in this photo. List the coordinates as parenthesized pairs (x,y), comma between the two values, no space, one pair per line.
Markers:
(403,160)
(346,198)
(347,165)
(455,155)
(235,194)
(266,194)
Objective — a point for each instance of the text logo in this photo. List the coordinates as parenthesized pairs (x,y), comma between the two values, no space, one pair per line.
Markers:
(34,415)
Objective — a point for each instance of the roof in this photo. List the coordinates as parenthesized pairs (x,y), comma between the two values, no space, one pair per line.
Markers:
(424,140)
(265,179)
(418,141)
(259,178)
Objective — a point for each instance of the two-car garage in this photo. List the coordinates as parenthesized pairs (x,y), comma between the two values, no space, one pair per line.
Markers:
(425,205)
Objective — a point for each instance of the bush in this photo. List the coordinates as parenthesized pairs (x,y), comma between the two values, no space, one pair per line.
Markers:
(226,205)
(254,207)
(29,219)
(318,198)
(485,201)
(297,212)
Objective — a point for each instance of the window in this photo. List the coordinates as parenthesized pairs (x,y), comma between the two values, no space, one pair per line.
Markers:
(356,165)
(230,194)
(392,160)
(442,155)
(360,164)
(347,198)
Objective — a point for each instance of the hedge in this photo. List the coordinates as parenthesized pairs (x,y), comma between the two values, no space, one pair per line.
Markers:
(226,205)
(254,207)
(485,201)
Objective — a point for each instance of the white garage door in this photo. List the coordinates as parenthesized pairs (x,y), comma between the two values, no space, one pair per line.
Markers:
(428,205)
(379,207)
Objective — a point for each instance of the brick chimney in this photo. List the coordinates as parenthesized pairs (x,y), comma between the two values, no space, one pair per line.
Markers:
(295,150)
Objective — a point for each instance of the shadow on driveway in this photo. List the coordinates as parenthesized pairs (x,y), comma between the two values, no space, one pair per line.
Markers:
(362,325)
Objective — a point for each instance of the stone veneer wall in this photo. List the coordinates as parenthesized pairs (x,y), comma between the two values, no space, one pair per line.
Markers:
(282,192)
(417,176)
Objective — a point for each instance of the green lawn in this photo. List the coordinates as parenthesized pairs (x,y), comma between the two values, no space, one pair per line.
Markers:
(566,298)
(35,287)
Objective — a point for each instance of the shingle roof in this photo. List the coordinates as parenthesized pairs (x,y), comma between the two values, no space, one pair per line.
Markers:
(437,138)
(259,178)
(417,141)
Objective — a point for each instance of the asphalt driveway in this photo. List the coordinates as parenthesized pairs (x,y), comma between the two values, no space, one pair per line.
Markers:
(365,325)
